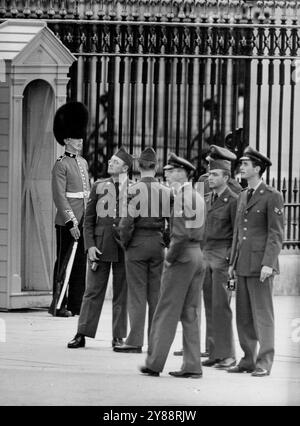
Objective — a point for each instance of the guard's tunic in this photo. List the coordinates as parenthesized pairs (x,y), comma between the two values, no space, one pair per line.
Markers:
(141,233)
(257,242)
(70,189)
(216,250)
(180,287)
(101,230)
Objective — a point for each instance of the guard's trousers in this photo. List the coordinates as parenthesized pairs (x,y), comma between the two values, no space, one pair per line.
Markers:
(76,287)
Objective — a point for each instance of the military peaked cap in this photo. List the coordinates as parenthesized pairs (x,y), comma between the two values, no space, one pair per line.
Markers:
(175,162)
(253,155)
(220,158)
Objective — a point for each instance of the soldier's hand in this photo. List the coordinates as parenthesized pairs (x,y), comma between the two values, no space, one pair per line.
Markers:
(231,272)
(75,232)
(94,254)
(265,272)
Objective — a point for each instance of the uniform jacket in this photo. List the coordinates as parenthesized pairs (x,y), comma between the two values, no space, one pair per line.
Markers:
(186,226)
(101,223)
(220,219)
(69,174)
(258,232)
(149,205)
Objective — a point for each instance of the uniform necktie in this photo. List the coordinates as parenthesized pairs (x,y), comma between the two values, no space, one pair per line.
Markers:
(117,189)
(249,194)
(214,198)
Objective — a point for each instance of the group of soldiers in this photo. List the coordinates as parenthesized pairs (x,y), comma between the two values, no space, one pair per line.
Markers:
(164,244)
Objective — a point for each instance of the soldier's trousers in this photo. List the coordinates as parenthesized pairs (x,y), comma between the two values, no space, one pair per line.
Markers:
(92,303)
(143,277)
(178,301)
(255,321)
(64,241)
(219,328)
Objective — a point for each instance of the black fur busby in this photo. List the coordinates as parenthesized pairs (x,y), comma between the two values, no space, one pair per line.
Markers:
(70,121)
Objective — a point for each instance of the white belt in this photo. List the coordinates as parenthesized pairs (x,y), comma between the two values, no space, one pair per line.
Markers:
(84,194)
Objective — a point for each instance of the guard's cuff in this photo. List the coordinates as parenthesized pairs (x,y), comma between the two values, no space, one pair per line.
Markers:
(70,224)
(71,218)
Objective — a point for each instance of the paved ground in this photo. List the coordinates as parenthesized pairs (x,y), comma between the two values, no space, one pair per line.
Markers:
(36,368)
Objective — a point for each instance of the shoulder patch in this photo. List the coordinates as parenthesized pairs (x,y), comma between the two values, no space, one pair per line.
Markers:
(278,211)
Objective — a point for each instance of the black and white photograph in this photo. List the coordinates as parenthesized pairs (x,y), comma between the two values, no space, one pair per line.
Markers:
(149,206)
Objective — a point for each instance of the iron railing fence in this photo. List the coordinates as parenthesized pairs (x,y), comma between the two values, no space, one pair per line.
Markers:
(180,81)
(160,10)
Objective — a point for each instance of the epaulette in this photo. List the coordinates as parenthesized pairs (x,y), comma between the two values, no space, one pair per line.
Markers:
(101,180)
(61,157)
(271,188)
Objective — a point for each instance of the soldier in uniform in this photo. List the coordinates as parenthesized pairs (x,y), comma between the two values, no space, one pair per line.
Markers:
(70,189)
(101,238)
(141,233)
(180,288)
(221,205)
(257,242)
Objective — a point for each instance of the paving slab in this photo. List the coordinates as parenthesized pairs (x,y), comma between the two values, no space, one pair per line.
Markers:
(36,368)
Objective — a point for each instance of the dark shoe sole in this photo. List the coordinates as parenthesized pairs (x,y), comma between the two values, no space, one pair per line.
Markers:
(70,346)
(149,372)
(240,371)
(185,375)
(127,351)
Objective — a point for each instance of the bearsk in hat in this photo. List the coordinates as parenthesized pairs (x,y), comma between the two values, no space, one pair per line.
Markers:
(70,121)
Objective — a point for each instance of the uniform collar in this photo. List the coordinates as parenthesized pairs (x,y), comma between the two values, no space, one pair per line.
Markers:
(70,154)
(256,186)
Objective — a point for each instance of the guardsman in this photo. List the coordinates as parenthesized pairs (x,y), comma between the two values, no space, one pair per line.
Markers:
(141,233)
(180,286)
(257,242)
(221,205)
(101,237)
(70,189)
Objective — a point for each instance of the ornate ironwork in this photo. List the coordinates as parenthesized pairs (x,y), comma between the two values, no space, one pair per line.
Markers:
(151,10)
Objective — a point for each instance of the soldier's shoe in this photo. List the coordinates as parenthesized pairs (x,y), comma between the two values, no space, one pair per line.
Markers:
(210,362)
(225,363)
(205,354)
(128,349)
(149,372)
(63,312)
(239,369)
(77,342)
(260,372)
(185,374)
(117,341)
